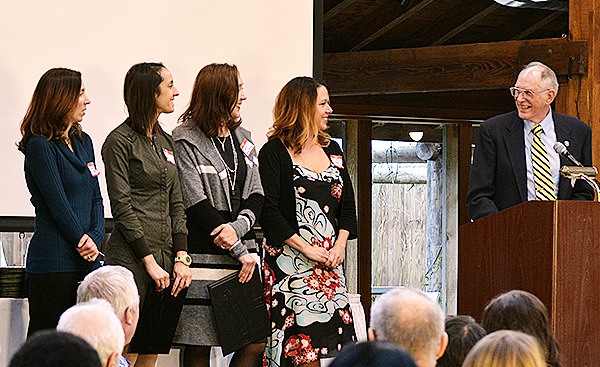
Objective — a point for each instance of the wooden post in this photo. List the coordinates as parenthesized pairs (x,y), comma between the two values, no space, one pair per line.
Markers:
(581,95)
(435,248)
(450,263)
(359,153)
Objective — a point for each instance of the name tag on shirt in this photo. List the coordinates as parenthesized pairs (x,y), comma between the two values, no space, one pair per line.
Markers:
(92,167)
(337,161)
(247,147)
(169,155)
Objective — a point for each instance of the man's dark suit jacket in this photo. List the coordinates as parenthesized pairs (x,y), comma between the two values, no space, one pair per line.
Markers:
(499,173)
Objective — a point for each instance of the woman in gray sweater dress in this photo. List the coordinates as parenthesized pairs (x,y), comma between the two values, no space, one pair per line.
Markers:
(218,169)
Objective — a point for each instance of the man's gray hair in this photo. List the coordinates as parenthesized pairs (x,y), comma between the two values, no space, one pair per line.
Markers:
(95,322)
(409,318)
(112,283)
(548,79)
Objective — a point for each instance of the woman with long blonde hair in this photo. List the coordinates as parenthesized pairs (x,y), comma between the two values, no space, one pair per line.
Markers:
(308,216)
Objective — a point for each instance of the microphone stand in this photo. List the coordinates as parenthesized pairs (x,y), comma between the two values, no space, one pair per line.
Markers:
(583,173)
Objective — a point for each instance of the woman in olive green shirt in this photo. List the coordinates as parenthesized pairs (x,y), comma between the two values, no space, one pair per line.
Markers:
(150,235)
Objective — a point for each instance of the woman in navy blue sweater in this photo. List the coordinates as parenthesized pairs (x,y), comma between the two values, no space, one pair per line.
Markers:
(62,179)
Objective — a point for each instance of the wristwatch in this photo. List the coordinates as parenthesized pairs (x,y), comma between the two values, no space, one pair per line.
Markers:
(185,259)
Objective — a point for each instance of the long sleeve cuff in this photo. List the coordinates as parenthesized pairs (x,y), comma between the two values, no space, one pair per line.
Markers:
(238,250)
(240,226)
(140,248)
(179,242)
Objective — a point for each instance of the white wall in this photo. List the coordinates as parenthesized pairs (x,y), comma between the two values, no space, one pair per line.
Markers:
(269,40)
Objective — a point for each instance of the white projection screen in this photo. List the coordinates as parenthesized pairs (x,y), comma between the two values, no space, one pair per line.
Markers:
(270,41)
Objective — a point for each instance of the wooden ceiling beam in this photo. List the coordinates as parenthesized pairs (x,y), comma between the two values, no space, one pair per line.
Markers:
(383,30)
(538,25)
(474,19)
(337,9)
(480,66)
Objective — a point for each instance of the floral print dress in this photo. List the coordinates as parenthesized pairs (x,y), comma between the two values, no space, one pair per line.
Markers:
(307,301)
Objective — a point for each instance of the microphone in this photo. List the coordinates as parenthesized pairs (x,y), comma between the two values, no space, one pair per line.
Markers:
(562,150)
(570,171)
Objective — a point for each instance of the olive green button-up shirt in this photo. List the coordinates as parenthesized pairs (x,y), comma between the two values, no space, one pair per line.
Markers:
(145,199)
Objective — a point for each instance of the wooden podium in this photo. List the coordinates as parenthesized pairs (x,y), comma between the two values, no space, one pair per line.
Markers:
(551,249)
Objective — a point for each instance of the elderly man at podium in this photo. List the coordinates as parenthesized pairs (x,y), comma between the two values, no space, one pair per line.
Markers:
(515,159)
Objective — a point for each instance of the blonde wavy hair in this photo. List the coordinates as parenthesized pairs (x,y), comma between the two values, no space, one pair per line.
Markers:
(506,348)
(293,115)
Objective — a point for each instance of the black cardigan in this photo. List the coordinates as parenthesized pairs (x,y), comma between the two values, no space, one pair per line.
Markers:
(278,218)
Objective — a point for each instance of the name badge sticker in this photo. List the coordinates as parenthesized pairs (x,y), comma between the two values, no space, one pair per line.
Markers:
(169,155)
(92,167)
(337,161)
(247,147)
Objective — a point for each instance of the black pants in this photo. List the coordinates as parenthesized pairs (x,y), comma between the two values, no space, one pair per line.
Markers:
(49,296)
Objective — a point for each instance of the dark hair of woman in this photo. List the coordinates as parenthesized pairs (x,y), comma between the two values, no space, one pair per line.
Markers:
(463,333)
(522,311)
(140,91)
(54,98)
(373,354)
(214,98)
(293,115)
(51,348)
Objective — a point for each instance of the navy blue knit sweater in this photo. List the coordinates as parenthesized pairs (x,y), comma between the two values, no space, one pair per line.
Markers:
(67,202)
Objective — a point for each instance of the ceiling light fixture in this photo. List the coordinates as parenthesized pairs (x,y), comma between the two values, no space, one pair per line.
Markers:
(416,135)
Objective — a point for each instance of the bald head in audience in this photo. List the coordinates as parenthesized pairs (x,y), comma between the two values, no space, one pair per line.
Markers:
(116,285)
(409,318)
(96,322)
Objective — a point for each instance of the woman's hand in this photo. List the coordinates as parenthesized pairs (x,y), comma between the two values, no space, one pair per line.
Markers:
(226,236)
(248,264)
(183,277)
(336,255)
(338,251)
(87,249)
(158,274)
(318,254)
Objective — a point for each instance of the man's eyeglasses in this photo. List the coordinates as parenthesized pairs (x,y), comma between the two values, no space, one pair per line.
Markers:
(515,91)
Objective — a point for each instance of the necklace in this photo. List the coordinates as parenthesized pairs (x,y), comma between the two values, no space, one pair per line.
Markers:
(228,170)
(223,141)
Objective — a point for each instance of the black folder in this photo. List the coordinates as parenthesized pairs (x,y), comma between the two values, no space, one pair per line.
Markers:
(240,311)
(158,321)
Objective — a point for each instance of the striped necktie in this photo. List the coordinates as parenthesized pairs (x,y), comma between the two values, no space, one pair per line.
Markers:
(542,177)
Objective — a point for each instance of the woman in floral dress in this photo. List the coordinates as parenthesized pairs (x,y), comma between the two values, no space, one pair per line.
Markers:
(308,216)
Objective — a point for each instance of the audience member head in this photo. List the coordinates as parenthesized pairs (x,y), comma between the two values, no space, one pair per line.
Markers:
(373,354)
(116,285)
(295,119)
(522,311)
(148,91)
(409,318)
(50,112)
(216,99)
(463,333)
(51,348)
(96,322)
(506,348)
